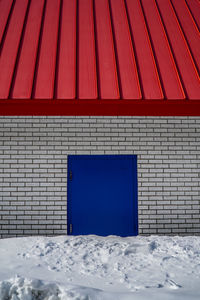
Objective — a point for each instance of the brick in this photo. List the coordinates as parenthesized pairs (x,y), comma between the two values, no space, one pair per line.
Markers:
(31,232)
(60,231)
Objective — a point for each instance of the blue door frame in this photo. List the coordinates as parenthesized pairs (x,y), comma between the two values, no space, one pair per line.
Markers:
(102,195)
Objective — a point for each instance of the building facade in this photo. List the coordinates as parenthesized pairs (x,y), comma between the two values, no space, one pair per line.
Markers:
(33,174)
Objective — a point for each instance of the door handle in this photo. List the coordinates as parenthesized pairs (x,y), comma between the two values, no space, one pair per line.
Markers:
(70,228)
(70,175)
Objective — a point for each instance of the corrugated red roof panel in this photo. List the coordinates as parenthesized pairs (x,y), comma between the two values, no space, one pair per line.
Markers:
(100,57)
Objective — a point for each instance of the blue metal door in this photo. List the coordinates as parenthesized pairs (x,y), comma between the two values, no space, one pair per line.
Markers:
(102,195)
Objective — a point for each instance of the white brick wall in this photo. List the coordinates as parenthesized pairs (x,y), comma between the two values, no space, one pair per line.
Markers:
(33,169)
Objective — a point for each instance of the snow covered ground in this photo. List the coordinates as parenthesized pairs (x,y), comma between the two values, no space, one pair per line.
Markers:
(93,267)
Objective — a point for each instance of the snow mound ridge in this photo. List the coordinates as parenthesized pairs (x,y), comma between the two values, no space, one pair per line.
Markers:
(20,288)
(120,260)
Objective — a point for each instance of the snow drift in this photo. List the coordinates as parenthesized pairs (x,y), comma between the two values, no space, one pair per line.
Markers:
(93,267)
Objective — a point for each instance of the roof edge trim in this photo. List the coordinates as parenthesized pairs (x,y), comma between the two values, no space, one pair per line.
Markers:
(101,107)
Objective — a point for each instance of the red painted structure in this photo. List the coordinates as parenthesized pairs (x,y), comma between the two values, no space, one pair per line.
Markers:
(100,57)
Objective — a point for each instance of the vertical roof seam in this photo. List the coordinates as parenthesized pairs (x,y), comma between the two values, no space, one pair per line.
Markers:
(115,50)
(173,58)
(185,39)
(134,52)
(94,46)
(6,25)
(19,50)
(135,63)
(192,16)
(153,53)
(57,51)
(77,51)
(38,51)
(96,52)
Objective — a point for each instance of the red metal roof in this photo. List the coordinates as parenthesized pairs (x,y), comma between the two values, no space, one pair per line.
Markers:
(99,57)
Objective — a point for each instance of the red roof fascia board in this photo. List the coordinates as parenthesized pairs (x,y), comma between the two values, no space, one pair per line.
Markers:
(100,57)
(100,107)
